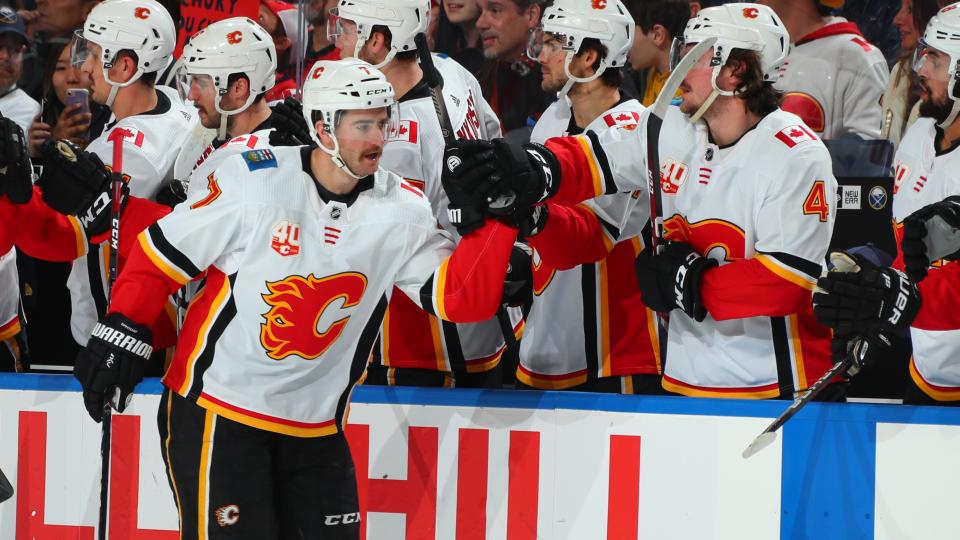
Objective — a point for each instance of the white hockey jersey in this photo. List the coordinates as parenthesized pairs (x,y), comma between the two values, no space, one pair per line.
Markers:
(153,141)
(9,296)
(924,175)
(588,321)
(411,338)
(296,285)
(833,79)
(764,209)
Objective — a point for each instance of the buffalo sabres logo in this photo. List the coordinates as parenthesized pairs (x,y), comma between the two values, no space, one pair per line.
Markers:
(877,198)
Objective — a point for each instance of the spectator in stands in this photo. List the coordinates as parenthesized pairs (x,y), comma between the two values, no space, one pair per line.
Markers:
(59,18)
(875,20)
(279,19)
(458,36)
(57,120)
(513,88)
(14,102)
(833,77)
(320,47)
(900,101)
(658,22)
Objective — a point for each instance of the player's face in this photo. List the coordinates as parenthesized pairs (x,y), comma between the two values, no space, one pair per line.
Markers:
(549,52)
(362,135)
(201,91)
(461,11)
(933,67)
(346,37)
(93,69)
(697,85)
(504,27)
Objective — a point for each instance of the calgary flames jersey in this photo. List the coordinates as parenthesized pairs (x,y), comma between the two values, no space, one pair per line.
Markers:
(412,338)
(587,320)
(296,285)
(833,79)
(924,175)
(763,208)
(151,145)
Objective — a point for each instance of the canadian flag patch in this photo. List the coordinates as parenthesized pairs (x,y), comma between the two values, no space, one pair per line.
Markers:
(795,135)
(406,131)
(129,134)
(250,141)
(625,119)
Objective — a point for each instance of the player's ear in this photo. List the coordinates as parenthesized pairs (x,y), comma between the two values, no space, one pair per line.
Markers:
(240,89)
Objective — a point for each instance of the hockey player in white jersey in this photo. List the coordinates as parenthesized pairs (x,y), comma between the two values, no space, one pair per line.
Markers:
(300,247)
(833,77)
(748,208)
(124,44)
(879,301)
(587,328)
(416,348)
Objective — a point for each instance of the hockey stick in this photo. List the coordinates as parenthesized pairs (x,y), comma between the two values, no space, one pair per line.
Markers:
(654,123)
(432,78)
(769,435)
(6,490)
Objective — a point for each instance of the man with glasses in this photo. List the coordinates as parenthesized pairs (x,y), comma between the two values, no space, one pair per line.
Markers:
(14,102)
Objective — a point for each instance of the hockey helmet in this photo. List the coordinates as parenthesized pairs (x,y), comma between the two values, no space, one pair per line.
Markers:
(572,21)
(943,34)
(140,26)
(404,18)
(235,45)
(333,87)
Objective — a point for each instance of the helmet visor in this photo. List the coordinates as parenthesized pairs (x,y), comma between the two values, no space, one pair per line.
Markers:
(80,49)
(193,87)
(370,126)
(930,62)
(544,43)
(679,49)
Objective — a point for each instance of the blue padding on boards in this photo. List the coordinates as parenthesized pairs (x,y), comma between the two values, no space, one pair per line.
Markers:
(828,475)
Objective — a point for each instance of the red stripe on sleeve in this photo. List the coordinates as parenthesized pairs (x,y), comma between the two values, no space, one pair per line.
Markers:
(475,272)
(940,295)
(576,179)
(746,288)
(570,226)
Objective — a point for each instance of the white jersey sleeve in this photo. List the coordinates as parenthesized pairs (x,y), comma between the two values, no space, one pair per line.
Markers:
(9,294)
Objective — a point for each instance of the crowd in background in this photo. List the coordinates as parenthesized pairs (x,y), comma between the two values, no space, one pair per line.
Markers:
(488,37)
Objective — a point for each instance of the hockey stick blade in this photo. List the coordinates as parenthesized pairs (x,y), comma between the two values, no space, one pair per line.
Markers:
(760,442)
(6,490)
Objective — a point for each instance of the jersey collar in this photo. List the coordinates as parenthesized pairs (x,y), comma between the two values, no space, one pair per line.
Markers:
(833,29)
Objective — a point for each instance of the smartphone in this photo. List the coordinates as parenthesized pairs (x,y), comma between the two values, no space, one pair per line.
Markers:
(81,96)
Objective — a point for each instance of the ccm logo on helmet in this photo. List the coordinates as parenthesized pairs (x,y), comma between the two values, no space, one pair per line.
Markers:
(751,13)
(376,91)
(234,37)
(141,13)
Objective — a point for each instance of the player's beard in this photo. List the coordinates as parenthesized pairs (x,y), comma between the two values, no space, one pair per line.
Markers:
(938,111)
(552,85)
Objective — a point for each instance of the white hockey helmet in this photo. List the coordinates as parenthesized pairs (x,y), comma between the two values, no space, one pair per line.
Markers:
(572,21)
(235,45)
(332,87)
(943,34)
(404,18)
(141,26)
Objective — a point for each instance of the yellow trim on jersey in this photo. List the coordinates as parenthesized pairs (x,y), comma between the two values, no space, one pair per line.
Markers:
(78,235)
(385,339)
(173,481)
(160,261)
(206,448)
(267,425)
(531,379)
(605,369)
(680,388)
(608,242)
(439,357)
(218,301)
(441,285)
(626,385)
(10,329)
(481,365)
(654,337)
(797,279)
(797,345)
(592,162)
(939,394)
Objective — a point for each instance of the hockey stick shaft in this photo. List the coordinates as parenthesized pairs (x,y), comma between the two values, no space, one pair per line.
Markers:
(810,393)
(432,78)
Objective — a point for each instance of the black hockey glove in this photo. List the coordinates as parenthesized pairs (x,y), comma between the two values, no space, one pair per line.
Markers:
(929,234)
(866,349)
(172,194)
(290,128)
(112,363)
(518,285)
(76,182)
(857,296)
(468,177)
(16,171)
(671,279)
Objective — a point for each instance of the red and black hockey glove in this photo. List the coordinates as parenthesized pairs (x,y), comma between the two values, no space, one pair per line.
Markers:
(76,182)
(671,279)
(16,171)
(112,364)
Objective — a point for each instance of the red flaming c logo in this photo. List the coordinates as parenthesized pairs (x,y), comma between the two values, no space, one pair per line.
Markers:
(706,235)
(142,13)
(751,13)
(235,37)
(297,303)
(599,4)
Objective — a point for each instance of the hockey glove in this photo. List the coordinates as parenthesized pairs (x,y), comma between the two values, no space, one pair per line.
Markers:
(469,175)
(671,279)
(518,285)
(76,182)
(857,296)
(930,234)
(16,171)
(172,194)
(112,363)
(866,349)
(290,127)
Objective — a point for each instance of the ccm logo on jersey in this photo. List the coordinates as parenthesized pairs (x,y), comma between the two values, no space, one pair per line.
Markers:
(672,176)
(795,135)
(285,238)
(342,519)
(406,131)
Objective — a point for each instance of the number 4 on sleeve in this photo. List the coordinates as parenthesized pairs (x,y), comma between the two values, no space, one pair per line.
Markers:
(816,201)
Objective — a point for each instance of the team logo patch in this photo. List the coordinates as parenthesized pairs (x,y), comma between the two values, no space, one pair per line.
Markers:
(807,108)
(142,13)
(751,13)
(599,4)
(877,198)
(795,135)
(300,320)
(708,235)
(406,131)
(285,238)
(234,37)
(672,176)
(260,159)
(627,120)
(227,515)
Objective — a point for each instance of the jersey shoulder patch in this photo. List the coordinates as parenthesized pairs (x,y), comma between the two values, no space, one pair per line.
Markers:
(623,119)
(794,135)
(405,131)
(260,159)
